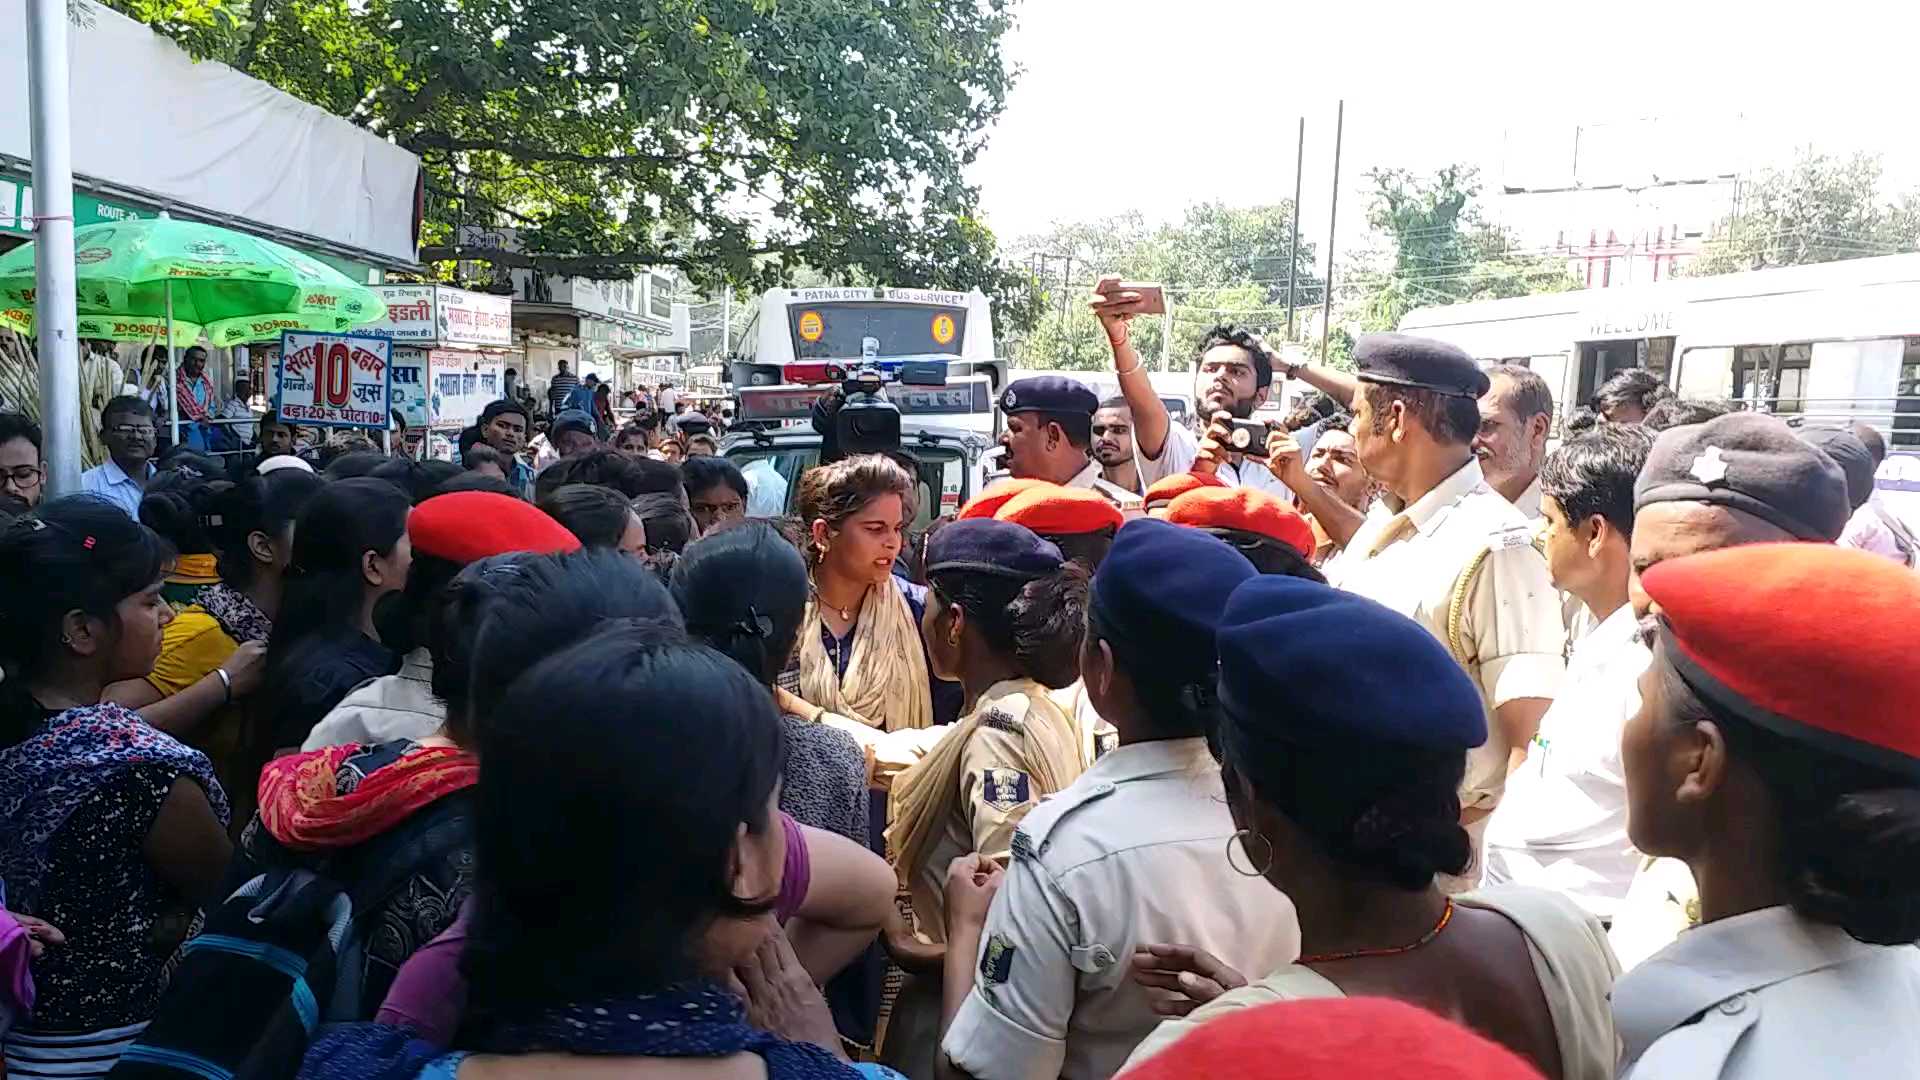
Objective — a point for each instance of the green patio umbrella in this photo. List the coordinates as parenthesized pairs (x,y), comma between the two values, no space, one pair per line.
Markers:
(136,279)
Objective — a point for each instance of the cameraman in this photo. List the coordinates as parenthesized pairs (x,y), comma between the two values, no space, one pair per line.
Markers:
(854,418)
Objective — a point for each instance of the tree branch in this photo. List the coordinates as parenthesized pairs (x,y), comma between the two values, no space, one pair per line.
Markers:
(524,152)
(411,111)
(604,267)
(250,49)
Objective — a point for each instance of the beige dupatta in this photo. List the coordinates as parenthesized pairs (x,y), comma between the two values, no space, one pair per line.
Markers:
(887,686)
(925,796)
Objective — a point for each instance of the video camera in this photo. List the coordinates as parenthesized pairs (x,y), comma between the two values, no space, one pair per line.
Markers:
(856,417)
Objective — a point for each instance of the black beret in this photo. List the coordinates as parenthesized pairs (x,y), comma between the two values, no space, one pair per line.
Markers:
(1317,664)
(986,546)
(1751,462)
(1048,393)
(1421,363)
(1161,591)
(1853,457)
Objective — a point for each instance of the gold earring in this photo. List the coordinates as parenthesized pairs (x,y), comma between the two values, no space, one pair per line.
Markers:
(1241,838)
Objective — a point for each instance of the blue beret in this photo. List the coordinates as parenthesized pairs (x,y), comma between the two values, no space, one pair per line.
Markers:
(1417,362)
(1162,588)
(1319,664)
(986,546)
(1048,393)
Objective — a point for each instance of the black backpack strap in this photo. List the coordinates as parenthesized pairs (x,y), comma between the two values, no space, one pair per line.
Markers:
(375,873)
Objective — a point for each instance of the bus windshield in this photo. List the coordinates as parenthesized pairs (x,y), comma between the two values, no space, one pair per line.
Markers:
(882,330)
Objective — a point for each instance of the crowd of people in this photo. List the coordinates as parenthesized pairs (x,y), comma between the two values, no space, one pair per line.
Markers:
(1433,736)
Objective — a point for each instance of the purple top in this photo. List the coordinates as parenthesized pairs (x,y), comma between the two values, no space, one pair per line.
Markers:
(429,995)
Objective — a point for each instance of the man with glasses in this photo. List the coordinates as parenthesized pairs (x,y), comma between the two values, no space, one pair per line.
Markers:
(127,427)
(22,473)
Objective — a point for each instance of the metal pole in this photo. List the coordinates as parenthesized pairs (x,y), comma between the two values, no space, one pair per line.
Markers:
(55,321)
(1333,211)
(1293,236)
(170,395)
(726,324)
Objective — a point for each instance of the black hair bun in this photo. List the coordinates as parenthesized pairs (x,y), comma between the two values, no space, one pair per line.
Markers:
(1864,876)
(1410,844)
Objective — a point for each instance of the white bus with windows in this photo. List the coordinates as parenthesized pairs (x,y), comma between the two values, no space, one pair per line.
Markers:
(1829,343)
(801,342)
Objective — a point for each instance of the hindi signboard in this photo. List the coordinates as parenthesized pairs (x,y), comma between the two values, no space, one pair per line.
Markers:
(410,397)
(470,318)
(440,315)
(460,385)
(334,380)
(409,313)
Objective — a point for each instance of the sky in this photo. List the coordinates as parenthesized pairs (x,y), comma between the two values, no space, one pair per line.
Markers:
(1151,105)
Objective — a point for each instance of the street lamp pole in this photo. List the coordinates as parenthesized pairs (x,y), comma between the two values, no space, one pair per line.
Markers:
(55,321)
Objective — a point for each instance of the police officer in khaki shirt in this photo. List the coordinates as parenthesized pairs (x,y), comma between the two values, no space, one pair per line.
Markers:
(1446,550)
(1135,851)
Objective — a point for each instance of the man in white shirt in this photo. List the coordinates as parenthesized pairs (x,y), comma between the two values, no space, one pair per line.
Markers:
(1562,823)
(1873,527)
(127,427)
(1516,413)
(1232,373)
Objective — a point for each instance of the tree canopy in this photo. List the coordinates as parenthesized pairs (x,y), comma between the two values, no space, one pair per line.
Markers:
(1820,209)
(1218,264)
(1443,251)
(733,139)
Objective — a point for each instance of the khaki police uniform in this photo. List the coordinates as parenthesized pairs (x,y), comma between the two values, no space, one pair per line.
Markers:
(1460,561)
(1134,852)
(1770,995)
(1020,731)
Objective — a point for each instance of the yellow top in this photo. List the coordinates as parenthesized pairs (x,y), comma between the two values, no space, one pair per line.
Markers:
(192,645)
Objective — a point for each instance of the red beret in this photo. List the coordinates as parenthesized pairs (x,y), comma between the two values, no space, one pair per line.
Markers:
(1847,620)
(988,502)
(1167,488)
(1246,510)
(1054,510)
(467,526)
(1333,1039)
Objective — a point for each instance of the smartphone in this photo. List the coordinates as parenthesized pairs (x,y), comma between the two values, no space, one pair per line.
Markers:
(1248,438)
(1152,301)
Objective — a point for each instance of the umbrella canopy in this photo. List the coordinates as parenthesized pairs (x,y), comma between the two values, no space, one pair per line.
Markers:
(230,286)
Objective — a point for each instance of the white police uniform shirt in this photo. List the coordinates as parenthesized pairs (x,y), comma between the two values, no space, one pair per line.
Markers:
(1562,821)
(1132,853)
(1510,624)
(1770,995)
(1180,451)
(1529,503)
(1092,479)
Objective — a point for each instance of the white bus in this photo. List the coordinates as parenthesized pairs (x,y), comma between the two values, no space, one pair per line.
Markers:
(1831,342)
(812,337)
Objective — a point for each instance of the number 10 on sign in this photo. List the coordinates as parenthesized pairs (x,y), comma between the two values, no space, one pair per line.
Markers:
(334,380)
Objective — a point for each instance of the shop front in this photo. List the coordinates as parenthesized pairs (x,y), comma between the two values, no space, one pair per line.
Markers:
(623,350)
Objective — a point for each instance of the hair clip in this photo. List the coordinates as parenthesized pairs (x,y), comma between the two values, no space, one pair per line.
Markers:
(87,543)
